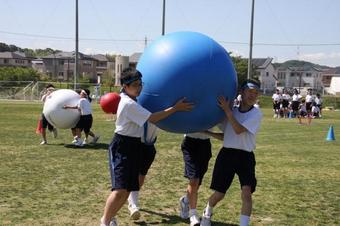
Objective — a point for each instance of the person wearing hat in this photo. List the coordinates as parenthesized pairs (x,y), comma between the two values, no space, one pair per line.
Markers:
(237,154)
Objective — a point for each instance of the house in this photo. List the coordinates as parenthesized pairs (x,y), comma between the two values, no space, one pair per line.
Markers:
(123,62)
(61,66)
(15,59)
(265,72)
(331,80)
(300,77)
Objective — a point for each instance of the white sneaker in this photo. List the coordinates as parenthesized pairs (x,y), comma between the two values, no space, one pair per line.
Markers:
(43,142)
(95,139)
(134,212)
(84,141)
(79,143)
(55,132)
(194,220)
(75,140)
(184,208)
(113,222)
(205,220)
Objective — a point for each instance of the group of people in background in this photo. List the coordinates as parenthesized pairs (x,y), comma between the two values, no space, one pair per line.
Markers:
(297,106)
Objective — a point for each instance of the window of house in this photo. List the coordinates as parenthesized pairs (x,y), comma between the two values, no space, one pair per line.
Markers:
(308,74)
(61,62)
(60,73)
(267,73)
(292,74)
(5,61)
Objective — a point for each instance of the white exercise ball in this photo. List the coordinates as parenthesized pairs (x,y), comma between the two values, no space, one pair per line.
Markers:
(54,112)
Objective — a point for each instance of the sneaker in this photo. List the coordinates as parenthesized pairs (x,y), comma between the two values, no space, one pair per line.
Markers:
(79,143)
(184,208)
(205,220)
(134,212)
(95,139)
(113,222)
(75,140)
(55,133)
(43,142)
(194,220)
(84,141)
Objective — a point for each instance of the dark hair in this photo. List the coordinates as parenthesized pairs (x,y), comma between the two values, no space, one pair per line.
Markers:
(49,86)
(130,75)
(87,91)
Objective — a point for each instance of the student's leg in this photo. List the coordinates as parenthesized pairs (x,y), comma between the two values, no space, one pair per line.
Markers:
(113,204)
(247,205)
(192,192)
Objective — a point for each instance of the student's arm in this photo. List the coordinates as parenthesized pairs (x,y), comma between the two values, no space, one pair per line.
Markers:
(179,106)
(224,104)
(70,107)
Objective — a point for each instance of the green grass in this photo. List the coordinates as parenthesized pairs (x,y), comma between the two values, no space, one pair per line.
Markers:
(298,175)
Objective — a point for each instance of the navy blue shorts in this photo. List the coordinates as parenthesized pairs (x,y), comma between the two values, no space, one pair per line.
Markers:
(124,158)
(148,153)
(85,123)
(45,124)
(196,156)
(230,162)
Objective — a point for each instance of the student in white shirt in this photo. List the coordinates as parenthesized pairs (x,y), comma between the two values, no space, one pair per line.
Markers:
(237,154)
(296,100)
(309,101)
(124,150)
(86,119)
(44,123)
(277,98)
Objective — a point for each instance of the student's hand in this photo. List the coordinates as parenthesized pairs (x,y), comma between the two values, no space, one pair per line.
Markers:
(181,105)
(224,104)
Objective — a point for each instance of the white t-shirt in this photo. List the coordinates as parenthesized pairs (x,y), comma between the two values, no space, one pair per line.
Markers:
(309,98)
(130,117)
(198,135)
(245,141)
(85,106)
(296,97)
(318,101)
(151,133)
(286,96)
(276,97)
(315,109)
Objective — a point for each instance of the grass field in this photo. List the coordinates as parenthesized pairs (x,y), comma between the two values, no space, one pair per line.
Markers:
(298,175)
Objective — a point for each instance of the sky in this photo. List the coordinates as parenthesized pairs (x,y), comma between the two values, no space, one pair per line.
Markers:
(283,29)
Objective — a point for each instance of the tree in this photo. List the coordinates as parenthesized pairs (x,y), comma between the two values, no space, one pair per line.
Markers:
(241,67)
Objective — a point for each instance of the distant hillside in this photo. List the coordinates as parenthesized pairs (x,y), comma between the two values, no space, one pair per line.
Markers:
(299,63)
(29,52)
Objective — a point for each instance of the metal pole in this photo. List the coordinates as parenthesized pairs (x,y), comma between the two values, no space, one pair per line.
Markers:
(251,41)
(76,52)
(163,21)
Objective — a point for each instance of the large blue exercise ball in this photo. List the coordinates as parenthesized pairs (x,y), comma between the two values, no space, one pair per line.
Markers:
(191,65)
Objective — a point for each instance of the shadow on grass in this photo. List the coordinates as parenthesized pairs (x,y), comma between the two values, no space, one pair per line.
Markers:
(172,219)
(97,146)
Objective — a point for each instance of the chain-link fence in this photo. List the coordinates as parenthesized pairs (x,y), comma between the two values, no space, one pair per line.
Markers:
(32,90)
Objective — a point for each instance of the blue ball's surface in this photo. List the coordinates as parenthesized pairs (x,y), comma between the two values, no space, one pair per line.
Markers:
(191,65)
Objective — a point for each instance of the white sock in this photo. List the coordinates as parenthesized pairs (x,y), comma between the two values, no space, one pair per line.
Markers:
(208,210)
(244,220)
(133,198)
(193,212)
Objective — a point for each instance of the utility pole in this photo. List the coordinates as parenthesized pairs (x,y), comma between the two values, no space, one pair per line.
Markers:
(76,66)
(251,41)
(163,20)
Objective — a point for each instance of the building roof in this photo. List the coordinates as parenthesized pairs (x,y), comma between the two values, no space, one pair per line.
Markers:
(261,62)
(134,58)
(13,55)
(68,55)
(332,71)
(99,57)
(299,68)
